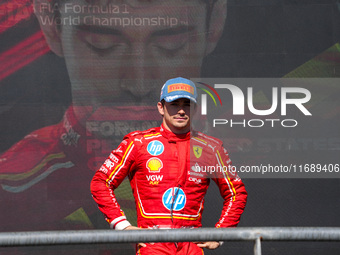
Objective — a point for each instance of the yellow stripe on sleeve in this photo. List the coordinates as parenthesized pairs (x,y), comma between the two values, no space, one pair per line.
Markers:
(121,162)
(232,186)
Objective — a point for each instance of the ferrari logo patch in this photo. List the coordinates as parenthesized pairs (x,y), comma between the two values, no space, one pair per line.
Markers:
(197,151)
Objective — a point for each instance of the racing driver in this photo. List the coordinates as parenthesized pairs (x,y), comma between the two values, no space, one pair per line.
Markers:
(168,190)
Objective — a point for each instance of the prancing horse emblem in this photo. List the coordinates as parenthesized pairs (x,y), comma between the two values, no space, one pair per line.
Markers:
(197,151)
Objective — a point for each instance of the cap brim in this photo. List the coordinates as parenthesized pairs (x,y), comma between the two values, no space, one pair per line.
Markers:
(173,98)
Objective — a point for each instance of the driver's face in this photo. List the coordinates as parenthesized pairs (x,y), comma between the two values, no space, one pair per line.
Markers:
(124,55)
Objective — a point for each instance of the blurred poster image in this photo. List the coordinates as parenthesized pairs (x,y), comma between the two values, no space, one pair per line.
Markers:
(117,55)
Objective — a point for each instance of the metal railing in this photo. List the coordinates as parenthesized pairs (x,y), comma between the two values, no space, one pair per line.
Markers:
(255,234)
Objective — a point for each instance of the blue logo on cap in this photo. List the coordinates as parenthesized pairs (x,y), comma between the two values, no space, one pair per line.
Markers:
(174,198)
(155,148)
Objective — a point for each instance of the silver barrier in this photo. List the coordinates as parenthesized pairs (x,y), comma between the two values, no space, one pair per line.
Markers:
(256,234)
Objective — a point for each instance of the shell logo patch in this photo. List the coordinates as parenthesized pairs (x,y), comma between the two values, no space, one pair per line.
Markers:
(154,165)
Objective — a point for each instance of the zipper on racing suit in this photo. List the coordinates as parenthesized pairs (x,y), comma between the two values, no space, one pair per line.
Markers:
(172,207)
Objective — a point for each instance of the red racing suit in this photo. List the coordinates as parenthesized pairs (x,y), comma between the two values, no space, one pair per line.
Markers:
(168,190)
(45,178)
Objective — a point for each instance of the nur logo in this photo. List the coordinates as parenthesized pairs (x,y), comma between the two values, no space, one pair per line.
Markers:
(239,99)
(204,97)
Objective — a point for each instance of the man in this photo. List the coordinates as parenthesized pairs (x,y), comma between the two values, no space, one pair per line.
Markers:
(117,52)
(157,163)
(114,68)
